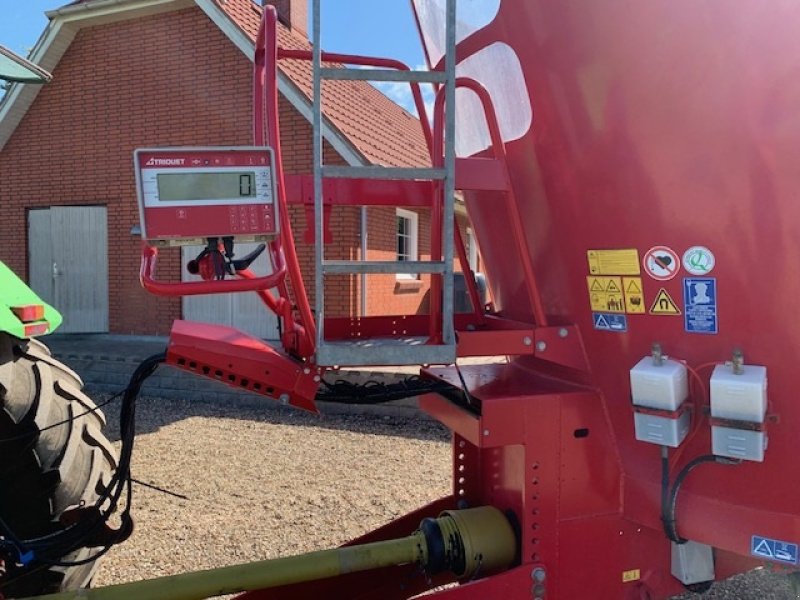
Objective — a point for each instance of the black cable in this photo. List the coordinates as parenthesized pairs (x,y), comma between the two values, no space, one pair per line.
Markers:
(376,392)
(669,519)
(665,490)
(464,387)
(49,548)
(25,436)
(158,489)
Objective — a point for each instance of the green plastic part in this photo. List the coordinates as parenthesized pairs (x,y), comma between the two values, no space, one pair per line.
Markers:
(14,292)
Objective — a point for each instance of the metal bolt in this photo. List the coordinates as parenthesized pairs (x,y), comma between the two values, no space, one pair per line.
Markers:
(527,340)
(317,379)
(657,353)
(541,346)
(485,432)
(538,591)
(563,332)
(738,362)
(306,371)
(284,398)
(538,574)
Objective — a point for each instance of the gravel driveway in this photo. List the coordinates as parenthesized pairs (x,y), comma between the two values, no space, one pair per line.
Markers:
(266,482)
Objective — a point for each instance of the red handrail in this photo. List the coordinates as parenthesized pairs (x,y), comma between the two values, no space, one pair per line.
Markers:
(370,61)
(498,147)
(194,288)
(301,336)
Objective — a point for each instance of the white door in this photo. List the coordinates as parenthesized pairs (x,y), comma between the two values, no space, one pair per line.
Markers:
(244,311)
(68,264)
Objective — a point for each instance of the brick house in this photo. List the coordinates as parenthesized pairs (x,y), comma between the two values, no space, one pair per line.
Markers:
(148,73)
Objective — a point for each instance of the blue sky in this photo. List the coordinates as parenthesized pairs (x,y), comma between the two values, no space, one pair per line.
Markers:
(379,28)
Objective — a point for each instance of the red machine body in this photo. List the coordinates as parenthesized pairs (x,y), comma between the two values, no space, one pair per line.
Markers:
(655,124)
(630,171)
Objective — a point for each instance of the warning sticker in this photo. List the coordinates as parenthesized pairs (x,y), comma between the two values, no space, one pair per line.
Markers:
(700,303)
(762,547)
(634,296)
(605,294)
(609,322)
(614,262)
(632,575)
(698,260)
(661,263)
(664,304)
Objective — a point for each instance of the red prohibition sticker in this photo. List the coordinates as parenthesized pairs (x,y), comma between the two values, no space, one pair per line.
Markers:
(661,263)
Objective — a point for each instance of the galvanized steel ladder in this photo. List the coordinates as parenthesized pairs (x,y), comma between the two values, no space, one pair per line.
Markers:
(389,351)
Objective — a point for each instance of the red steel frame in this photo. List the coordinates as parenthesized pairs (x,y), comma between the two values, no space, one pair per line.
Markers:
(548,437)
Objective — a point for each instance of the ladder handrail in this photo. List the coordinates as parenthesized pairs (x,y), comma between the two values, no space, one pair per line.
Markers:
(498,148)
(441,314)
(443,210)
(369,61)
(298,338)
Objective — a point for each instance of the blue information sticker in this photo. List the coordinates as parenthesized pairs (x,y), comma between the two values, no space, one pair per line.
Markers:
(610,322)
(784,552)
(700,302)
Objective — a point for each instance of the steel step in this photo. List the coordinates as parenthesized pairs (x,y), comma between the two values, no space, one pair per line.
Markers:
(377,172)
(349,74)
(377,266)
(385,352)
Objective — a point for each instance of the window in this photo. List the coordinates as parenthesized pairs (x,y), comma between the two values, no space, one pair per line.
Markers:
(498,69)
(471,15)
(407,238)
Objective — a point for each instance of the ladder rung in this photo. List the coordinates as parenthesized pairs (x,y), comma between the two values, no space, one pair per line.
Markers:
(378,172)
(380,352)
(347,74)
(377,266)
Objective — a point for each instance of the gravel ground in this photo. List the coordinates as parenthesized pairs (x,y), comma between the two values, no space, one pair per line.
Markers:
(262,483)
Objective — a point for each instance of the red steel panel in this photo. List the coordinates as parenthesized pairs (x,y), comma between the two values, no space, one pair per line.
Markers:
(242,361)
(664,123)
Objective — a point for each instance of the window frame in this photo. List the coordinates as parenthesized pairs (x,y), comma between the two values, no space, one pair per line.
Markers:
(412,236)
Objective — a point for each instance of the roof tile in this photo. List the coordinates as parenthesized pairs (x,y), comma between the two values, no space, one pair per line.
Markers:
(380,129)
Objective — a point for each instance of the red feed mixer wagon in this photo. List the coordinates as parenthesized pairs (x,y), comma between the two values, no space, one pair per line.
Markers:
(630,171)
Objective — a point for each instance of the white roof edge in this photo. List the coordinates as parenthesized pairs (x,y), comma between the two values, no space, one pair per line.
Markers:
(42,54)
(51,46)
(64,24)
(286,87)
(99,8)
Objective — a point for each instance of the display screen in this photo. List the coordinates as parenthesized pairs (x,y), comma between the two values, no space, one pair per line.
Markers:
(185,187)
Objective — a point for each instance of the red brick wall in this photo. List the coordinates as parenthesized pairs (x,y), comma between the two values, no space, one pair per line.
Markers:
(166,80)
(386,294)
(169,79)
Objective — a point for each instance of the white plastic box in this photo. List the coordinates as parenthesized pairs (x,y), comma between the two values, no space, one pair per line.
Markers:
(738,443)
(739,397)
(662,387)
(662,430)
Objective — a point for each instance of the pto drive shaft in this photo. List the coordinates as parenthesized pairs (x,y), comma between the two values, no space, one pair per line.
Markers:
(463,542)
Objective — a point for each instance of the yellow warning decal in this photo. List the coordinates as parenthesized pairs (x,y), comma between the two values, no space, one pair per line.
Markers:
(614,262)
(605,294)
(664,304)
(632,575)
(634,295)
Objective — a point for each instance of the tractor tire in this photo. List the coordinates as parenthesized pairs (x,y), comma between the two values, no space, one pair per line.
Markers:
(46,468)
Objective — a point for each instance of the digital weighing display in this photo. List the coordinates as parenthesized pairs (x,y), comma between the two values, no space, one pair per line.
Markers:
(193,193)
(188,187)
